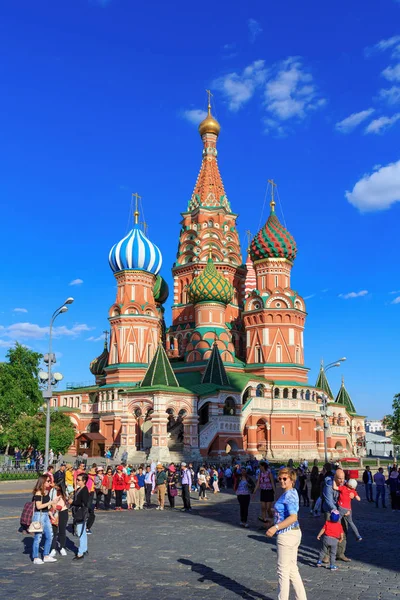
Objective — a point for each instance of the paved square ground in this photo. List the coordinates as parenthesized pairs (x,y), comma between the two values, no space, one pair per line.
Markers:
(172,555)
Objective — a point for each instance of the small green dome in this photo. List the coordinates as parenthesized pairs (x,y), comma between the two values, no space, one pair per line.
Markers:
(210,286)
(160,290)
(98,365)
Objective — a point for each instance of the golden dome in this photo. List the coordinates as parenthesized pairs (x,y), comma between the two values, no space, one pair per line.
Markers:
(209,124)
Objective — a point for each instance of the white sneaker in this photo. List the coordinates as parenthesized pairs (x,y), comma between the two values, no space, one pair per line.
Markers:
(49,559)
(158,508)
(136,508)
(37,561)
(53,553)
(63,552)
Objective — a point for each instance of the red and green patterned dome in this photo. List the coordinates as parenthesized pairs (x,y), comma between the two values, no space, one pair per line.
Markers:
(210,286)
(273,241)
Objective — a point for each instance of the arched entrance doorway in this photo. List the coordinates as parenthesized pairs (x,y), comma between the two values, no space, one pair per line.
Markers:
(231,447)
(175,429)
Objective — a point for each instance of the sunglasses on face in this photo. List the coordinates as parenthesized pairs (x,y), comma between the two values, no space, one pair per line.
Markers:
(282,478)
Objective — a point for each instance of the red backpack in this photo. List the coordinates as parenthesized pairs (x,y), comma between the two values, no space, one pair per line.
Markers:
(27,515)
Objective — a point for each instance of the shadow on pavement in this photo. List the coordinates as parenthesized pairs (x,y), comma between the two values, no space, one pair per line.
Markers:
(208,574)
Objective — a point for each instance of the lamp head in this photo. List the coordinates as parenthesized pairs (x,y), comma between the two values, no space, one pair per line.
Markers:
(342,359)
(63,309)
(58,376)
(70,301)
(43,375)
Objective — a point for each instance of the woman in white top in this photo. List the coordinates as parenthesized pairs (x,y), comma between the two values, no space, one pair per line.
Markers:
(202,481)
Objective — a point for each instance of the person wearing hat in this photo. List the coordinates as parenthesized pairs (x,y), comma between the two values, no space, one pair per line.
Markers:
(120,484)
(98,486)
(172,481)
(186,480)
(161,481)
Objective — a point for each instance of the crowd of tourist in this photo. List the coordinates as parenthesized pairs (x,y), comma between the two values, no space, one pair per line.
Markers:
(80,490)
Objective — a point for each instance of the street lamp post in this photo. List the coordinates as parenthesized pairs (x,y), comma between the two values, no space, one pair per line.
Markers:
(325,412)
(50,378)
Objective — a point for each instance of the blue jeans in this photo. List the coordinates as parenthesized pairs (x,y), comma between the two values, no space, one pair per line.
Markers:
(81,532)
(380,491)
(368,492)
(47,532)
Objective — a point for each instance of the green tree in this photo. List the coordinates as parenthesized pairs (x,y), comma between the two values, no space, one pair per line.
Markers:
(28,430)
(392,422)
(19,387)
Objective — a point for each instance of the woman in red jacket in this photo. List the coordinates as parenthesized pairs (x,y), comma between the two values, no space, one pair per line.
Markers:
(120,484)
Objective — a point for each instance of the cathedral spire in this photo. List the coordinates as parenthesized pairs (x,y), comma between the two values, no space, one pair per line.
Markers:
(322,381)
(343,397)
(215,371)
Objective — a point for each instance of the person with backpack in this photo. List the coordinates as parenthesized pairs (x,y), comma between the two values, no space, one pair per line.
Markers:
(41,521)
(80,513)
(98,486)
(244,488)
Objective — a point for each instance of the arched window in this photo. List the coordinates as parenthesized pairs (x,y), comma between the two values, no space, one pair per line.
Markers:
(297,358)
(230,406)
(260,390)
(258,354)
(277,393)
(285,393)
(294,393)
(246,395)
(308,394)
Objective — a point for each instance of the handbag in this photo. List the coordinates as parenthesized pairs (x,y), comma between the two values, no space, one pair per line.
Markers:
(36,527)
(173,492)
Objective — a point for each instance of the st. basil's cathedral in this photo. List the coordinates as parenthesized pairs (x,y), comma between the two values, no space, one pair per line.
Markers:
(228,375)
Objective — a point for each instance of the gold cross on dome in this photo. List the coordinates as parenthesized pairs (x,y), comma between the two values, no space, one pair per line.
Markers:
(106,334)
(136,213)
(209,100)
(273,186)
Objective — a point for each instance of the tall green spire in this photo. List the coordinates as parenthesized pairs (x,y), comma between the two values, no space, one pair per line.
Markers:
(215,371)
(160,371)
(343,397)
(322,381)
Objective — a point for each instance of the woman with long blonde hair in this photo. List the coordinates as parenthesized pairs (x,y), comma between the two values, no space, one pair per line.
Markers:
(287,529)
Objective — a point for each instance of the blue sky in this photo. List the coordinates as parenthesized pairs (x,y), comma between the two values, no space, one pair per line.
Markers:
(101,98)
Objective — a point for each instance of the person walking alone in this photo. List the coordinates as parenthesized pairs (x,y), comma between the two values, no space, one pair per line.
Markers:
(367,480)
(287,529)
(186,481)
(379,480)
(244,487)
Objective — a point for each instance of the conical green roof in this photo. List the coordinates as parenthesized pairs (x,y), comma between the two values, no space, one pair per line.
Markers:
(215,371)
(343,397)
(322,382)
(210,286)
(160,371)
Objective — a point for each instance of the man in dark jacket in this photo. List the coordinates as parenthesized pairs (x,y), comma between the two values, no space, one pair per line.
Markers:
(367,480)
(59,477)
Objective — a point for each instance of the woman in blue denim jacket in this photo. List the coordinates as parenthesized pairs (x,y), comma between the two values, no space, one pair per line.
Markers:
(41,498)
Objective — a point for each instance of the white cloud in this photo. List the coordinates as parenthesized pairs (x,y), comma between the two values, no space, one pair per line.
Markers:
(76,282)
(291,92)
(382,124)
(95,339)
(255,29)
(239,88)
(391,95)
(19,331)
(392,43)
(308,297)
(351,122)
(395,292)
(353,295)
(20,310)
(392,73)
(396,300)
(378,190)
(194,115)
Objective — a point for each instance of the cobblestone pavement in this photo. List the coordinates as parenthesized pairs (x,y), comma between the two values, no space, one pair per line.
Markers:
(172,555)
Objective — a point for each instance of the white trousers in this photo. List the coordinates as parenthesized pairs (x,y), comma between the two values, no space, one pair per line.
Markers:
(288,573)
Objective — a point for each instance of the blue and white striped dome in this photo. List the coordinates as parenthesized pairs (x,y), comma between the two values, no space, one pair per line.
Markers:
(136,252)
